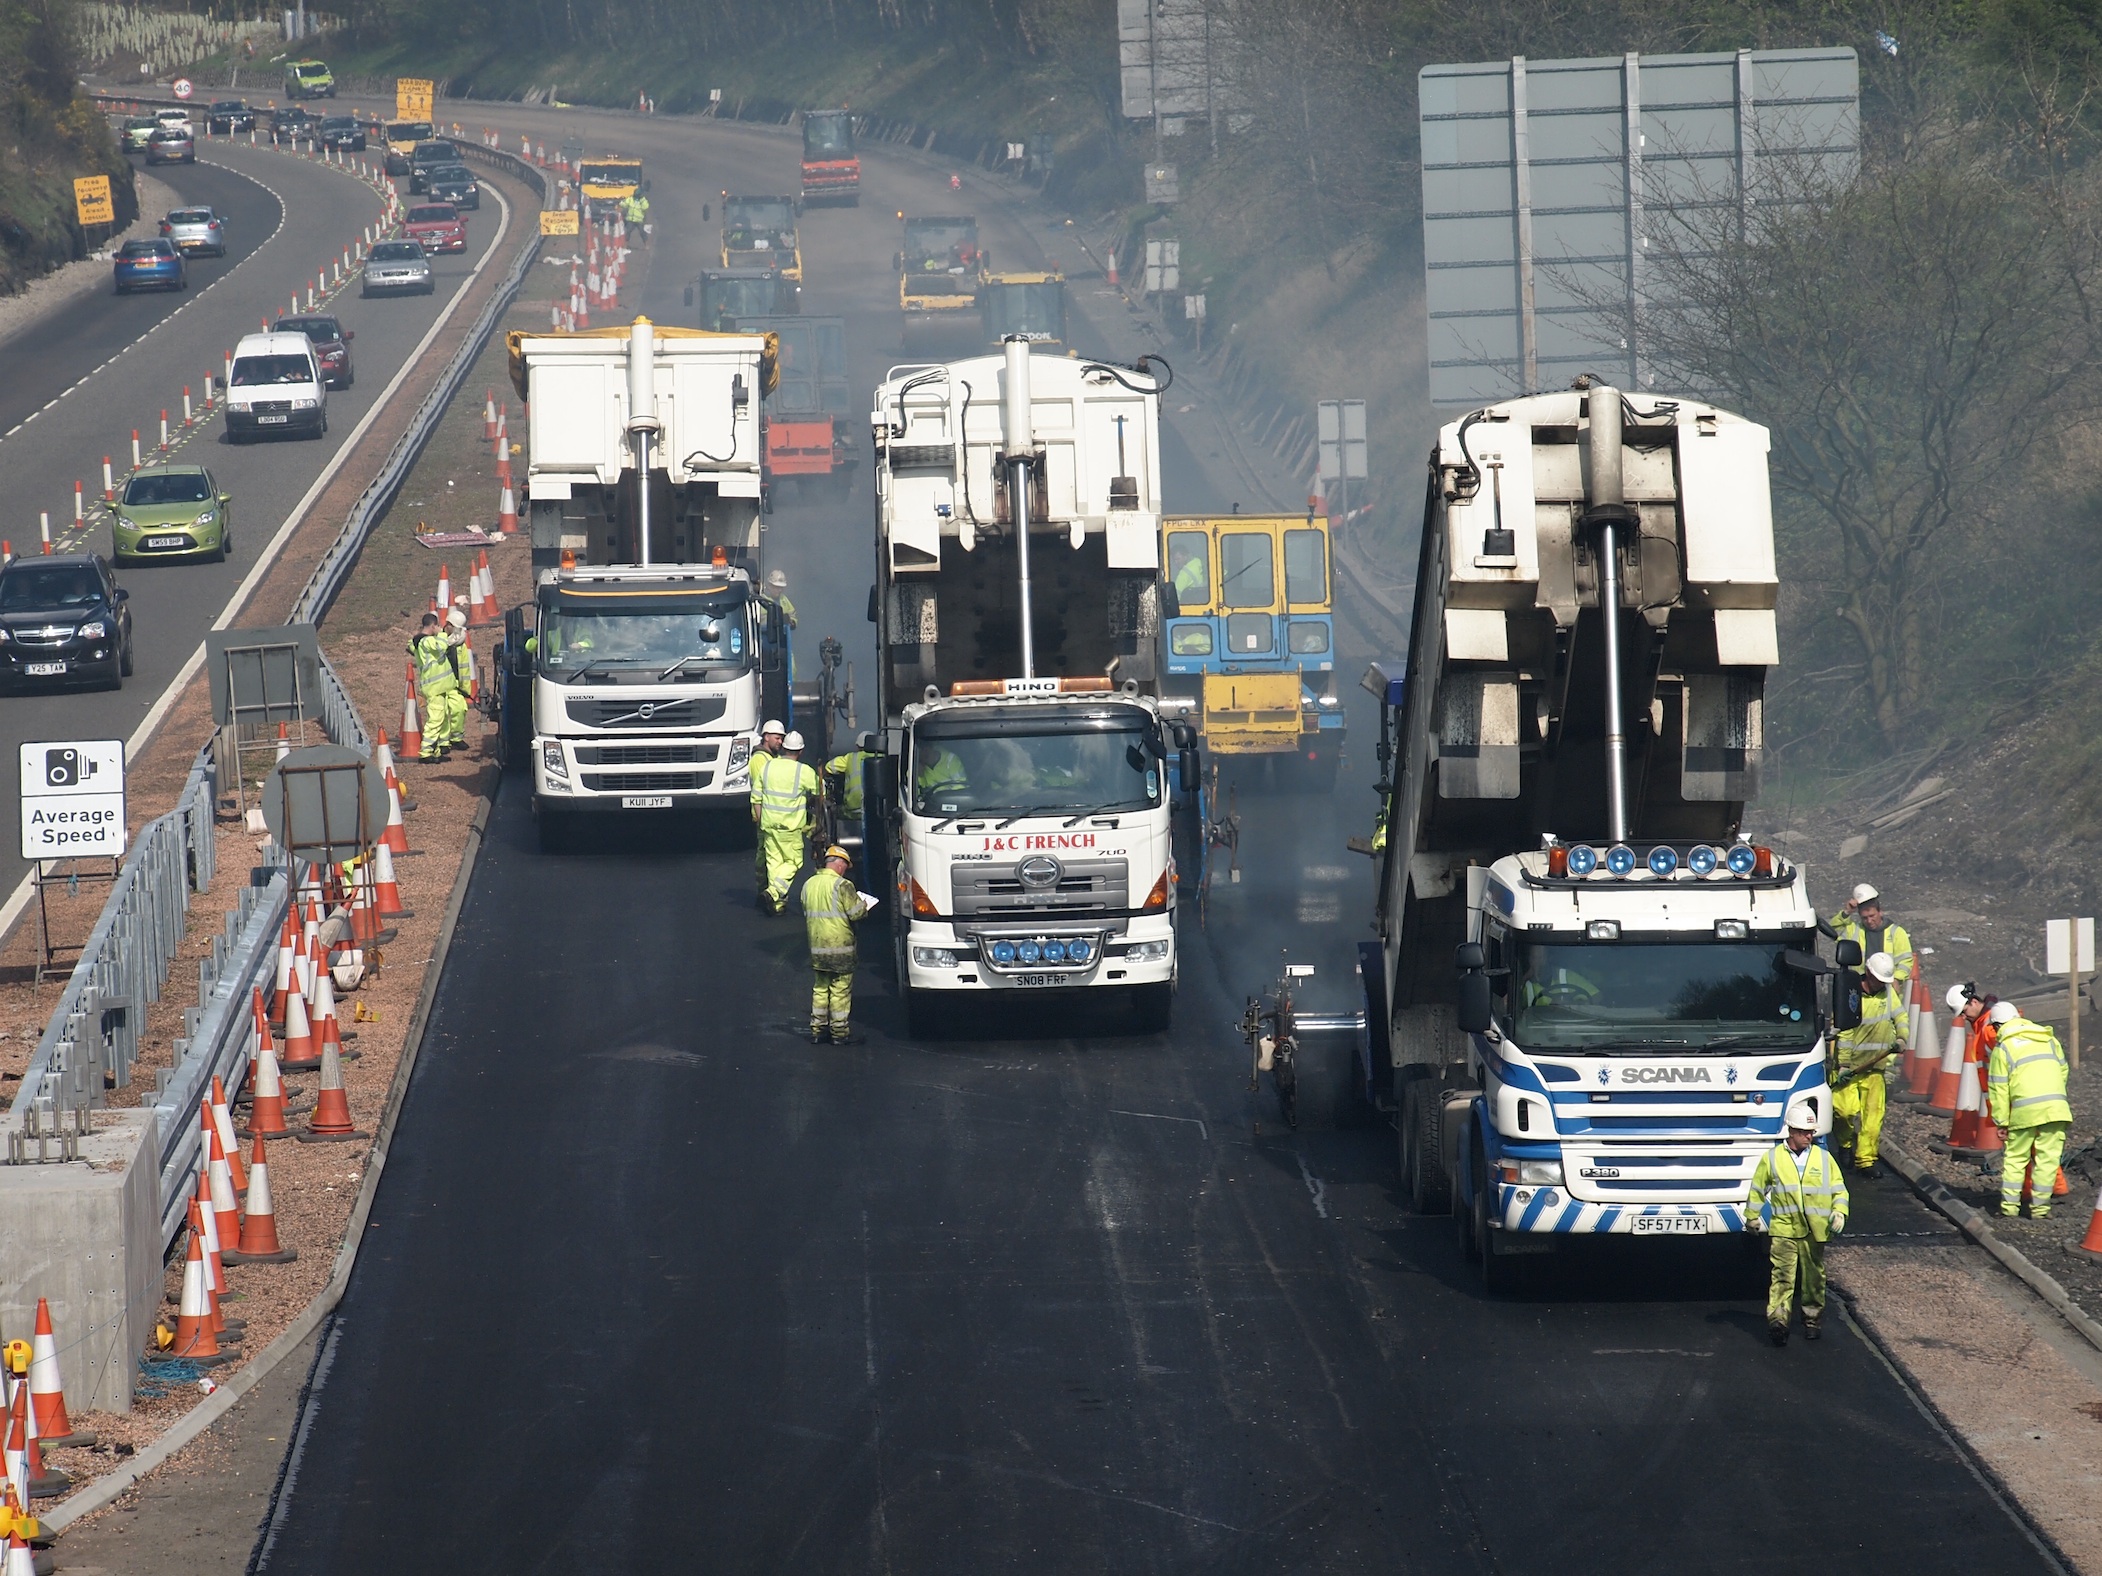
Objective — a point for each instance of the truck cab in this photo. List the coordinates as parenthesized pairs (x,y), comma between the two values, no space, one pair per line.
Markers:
(1024,303)
(607,181)
(762,232)
(831,166)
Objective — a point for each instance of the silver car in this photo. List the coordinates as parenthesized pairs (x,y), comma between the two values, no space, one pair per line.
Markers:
(196,232)
(397,268)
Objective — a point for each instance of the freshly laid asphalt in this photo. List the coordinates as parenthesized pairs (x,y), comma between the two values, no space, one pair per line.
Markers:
(652,1284)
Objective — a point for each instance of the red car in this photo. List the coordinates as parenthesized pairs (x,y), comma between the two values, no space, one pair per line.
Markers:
(436,227)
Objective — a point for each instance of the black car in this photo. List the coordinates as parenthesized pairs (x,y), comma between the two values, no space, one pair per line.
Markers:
(229,116)
(454,183)
(344,133)
(427,157)
(292,125)
(63,617)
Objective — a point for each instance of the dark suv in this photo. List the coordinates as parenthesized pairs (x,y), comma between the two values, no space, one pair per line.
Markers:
(429,156)
(229,116)
(344,133)
(64,617)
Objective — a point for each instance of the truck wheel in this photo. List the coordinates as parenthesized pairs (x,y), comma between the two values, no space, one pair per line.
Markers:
(1426,1177)
(1152,1007)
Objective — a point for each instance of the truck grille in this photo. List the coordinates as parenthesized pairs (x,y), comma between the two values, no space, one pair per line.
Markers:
(904,456)
(646,782)
(646,754)
(1084,887)
(1613,1174)
(613,711)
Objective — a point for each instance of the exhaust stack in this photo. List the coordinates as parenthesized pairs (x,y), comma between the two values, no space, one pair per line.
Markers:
(1607,511)
(643,424)
(1020,439)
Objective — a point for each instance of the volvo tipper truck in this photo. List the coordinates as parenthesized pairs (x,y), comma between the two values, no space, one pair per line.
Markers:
(638,676)
(1026,802)
(1592,996)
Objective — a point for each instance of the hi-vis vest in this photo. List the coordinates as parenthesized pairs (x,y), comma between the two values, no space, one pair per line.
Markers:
(2025,1082)
(1799,1195)
(782,786)
(437,664)
(830,907)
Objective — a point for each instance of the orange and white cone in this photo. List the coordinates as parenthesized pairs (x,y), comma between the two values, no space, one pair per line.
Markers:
(386,888)
(44,1483)
(2091,1245)
(383,754)
(223,1119)
(475,612)
(17,1444)
(47,1392)
(226,1209)
(507,511)
(328,1033)
(2059,1186)
(266,1110)
(485,582)
(411,723)
(21,1558)
(302,1055)
(488,414)
(444,598)
(193,1320)
(1948,1078)
(396,836)
(330,1123)
(286,969)
(258,1241)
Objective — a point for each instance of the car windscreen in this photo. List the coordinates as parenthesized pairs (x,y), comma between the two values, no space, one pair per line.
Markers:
(601,174)
(1690,993)
(948,242)
(147,249)
(167,487)
(409,131)
(261,371)
(449,174)
(640,637)
(191,216)
(966,763)
(397,252)
(441,213)
(322,330)
(39,587)
(171,134)
(435,153)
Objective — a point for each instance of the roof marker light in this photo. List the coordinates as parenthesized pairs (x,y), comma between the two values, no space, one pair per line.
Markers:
(1620,859)
(1663,861)
(1583,859)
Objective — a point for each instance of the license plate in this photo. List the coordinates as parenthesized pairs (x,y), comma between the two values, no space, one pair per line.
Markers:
(1036,979)
(272,421)
(645,801)
(168,541)
(43,670)
(1670,1225)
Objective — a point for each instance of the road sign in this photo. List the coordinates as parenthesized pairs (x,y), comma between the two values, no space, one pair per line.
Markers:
(183,87)
(1163,266)
(325,803)
(72,798)
(1162,184)
(1340,433)
(558,221)
(92,201)
(1193,308)
(413,97)
(2058,945)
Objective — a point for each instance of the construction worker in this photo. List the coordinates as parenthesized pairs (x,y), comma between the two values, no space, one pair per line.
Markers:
(1865,921)
(2025,1095)
(1799,1199)
(831,906)
(848,768)
(771,734)
(939,772)
(1863,1057)
(439,682)
(782,791)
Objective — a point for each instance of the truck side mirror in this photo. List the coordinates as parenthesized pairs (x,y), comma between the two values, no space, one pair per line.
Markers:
(1475,1012)
(1467,957)
(872,605)
(1189,766)
(1846,998)
(1847,954)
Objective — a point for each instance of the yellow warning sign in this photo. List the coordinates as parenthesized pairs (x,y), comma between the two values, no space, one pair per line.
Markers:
(412,98)
(92,199)
(558,221)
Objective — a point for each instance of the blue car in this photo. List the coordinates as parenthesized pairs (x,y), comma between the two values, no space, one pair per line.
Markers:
(155,262)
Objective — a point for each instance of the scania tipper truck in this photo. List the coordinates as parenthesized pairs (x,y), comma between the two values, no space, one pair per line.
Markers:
(637,678)
(1025,805)
(1592,996)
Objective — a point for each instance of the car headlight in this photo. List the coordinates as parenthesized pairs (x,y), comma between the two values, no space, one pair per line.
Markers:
(93,629)
(934,957)
(551,758)
(124,524)
(209,517)
(1147,951)
(305,404)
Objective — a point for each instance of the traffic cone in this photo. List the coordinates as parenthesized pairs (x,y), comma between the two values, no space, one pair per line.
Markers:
(258,1241)
(1948,1078)
(17,1447)
(488,414)
(444,600)
(503,460)
(285,970)
(223,1119)
(386,889)
(302,1055)
(411,724)
(266,1110)
(284,741)
(485,582)
(44,1483)
(21,1559)
(226,1209)
(383,754)
(193,1319)
(2091,1245)
(507,511)
(328,1033)
(1920,1086)
(330,1123)
(475,614)
(47,1392)
(214,1267)
(396,836)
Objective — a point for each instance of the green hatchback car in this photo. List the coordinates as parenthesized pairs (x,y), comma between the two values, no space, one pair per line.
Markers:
(172,511)
(138,131)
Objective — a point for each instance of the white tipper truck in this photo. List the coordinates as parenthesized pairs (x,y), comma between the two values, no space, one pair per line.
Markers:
(1026,803)
(638,677)
(1592,998)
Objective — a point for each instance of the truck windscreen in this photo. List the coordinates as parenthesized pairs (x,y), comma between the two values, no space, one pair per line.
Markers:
(609,174)
(1034,766)
(936,245)
(828,137)
(733,298)
(1697,994)
(1026,309)
(644,639)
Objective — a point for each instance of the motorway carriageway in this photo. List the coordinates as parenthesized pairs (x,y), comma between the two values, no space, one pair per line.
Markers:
(652,1284)
(80,381)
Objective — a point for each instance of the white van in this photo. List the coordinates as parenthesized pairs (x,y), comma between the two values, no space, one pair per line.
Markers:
(277,387)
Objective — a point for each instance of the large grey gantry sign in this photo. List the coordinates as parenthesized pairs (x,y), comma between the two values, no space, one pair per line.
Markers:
(1540,178)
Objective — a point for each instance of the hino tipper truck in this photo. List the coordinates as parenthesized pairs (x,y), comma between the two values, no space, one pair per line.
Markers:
(637,678)
(1026,802)
(1592,996)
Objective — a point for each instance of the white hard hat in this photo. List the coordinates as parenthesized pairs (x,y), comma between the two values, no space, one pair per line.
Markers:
(771,725)
(777,578)
(457,618)
(2004,1012)
(1802,1112)
(793,742)
(1865,893)
(1883,966)
(1961,996)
